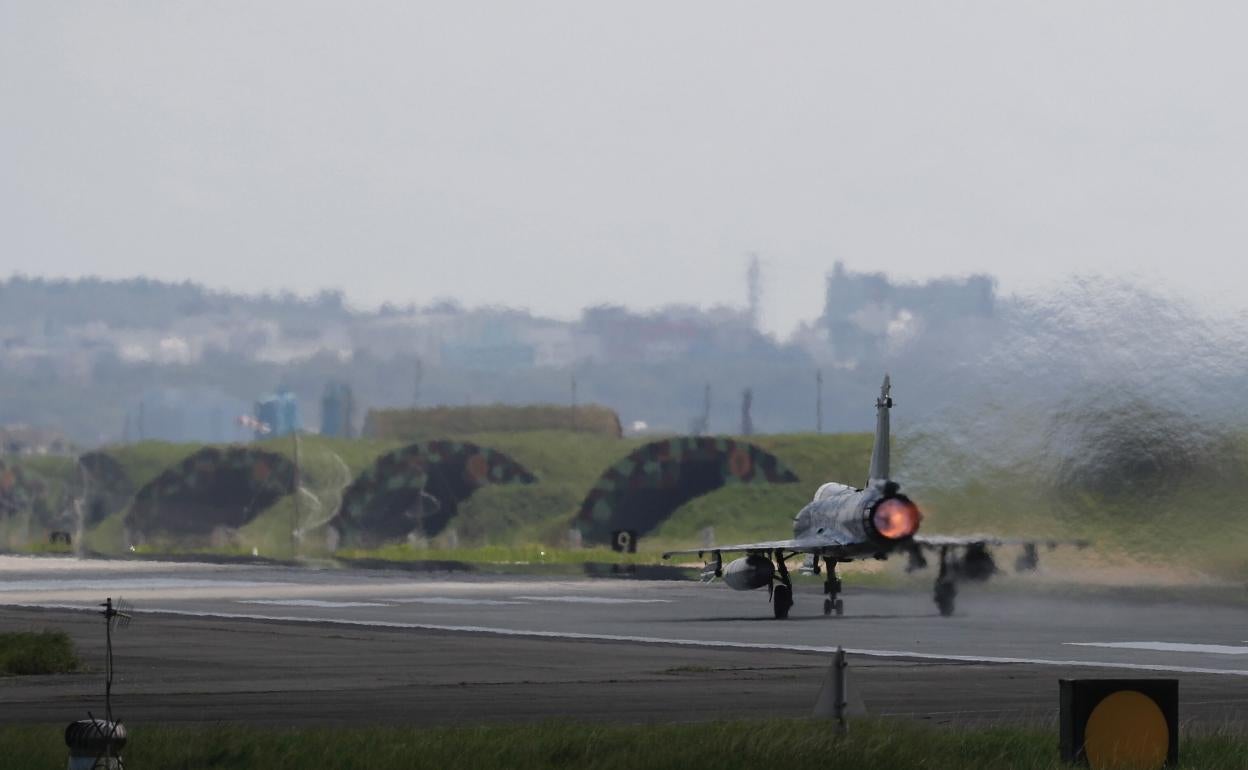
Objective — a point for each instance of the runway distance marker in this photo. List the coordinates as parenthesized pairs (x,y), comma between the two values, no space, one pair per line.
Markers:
(710,643)
(1119,724)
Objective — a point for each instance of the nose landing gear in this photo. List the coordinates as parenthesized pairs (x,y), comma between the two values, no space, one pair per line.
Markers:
(832,588)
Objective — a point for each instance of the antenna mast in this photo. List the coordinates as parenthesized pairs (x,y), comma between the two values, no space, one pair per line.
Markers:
(754,290)
(818,401)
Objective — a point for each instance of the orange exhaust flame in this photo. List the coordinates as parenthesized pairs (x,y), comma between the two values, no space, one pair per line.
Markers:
(896,518)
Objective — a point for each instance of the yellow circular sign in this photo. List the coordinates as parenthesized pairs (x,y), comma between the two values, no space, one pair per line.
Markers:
(1126,731)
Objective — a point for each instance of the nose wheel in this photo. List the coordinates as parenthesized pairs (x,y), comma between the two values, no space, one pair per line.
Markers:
(832,605)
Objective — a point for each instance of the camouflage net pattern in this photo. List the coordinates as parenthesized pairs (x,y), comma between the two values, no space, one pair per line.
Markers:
(642,490)
(212,489)
(418,489)
(21,492)
(106,487)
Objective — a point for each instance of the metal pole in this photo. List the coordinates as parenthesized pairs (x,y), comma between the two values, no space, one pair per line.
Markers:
(294,525)
(838,690)
(818,401)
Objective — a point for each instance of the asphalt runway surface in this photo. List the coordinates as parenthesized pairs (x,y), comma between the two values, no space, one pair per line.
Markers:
(307,646)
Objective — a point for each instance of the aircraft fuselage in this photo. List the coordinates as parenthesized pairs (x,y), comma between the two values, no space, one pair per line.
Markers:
(862,522)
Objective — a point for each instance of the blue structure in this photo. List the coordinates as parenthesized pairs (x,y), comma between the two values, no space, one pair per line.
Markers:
(280,412)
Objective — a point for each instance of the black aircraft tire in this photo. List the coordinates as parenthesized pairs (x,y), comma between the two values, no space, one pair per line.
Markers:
(833,607)
(781,601)
(945,595)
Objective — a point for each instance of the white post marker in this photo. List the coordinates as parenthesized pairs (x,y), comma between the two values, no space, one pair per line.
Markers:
(832,695)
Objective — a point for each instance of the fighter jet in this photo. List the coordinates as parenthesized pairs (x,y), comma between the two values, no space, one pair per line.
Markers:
(843,524)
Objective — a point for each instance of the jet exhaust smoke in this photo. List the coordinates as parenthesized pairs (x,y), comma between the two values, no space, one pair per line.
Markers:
(1102,405)
(1099,375)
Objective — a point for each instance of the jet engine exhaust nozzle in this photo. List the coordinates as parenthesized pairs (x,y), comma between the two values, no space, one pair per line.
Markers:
(896,518)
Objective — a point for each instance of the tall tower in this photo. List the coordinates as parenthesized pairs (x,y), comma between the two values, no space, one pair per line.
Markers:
(747,420)
(754,290)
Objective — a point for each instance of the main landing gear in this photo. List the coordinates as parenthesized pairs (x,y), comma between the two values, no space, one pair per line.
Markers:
(782,586)
(832,589)
(946,589)
(782,594)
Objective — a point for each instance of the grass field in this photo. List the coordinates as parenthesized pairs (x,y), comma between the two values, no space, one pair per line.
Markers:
(36,652)
(1192,521)
(869,745)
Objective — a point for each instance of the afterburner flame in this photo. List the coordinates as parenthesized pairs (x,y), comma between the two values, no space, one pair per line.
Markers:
(896,518)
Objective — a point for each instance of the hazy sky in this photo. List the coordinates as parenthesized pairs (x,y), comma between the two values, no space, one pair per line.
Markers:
(558,154)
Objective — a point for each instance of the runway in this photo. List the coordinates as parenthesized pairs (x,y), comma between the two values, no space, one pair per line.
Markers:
(247,638)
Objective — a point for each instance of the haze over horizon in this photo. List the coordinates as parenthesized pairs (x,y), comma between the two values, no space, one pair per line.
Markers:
(556,156)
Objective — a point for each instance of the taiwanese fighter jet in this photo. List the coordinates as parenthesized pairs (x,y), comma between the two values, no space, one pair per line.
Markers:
(843,524)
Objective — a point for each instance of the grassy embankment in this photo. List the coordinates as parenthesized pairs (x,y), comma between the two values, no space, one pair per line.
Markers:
(1195,522)
(869,745)
(36,652)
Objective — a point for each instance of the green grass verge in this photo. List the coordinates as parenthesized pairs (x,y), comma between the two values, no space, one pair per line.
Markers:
(869,745)
(1192,522)
(36,652)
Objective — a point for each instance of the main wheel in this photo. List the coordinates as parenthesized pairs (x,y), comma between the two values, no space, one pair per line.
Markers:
(827,606)
(781,601)
(838,607)
(946,592)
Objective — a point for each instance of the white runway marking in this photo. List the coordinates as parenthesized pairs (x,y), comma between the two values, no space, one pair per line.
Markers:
(447,600)
(1216,649)
(678,642)
(592,600)
(310,603)
(130,584)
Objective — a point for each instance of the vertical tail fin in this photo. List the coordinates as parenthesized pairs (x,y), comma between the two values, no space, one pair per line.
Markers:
(879,453)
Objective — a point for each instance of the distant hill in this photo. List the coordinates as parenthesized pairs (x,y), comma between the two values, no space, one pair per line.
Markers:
(144,303)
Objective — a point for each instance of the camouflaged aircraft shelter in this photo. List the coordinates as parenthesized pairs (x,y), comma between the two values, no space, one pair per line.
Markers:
(20,491)
(418,489)
(105,486)
(211,489)
(642,490)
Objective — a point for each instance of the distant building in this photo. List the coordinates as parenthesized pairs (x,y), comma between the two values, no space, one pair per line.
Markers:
(494,348)
(672,333)
(338,411)
(863,311)
(279,413)
(191,414)
(22,439)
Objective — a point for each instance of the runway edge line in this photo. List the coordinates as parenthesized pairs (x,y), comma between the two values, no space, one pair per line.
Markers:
(573,635)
